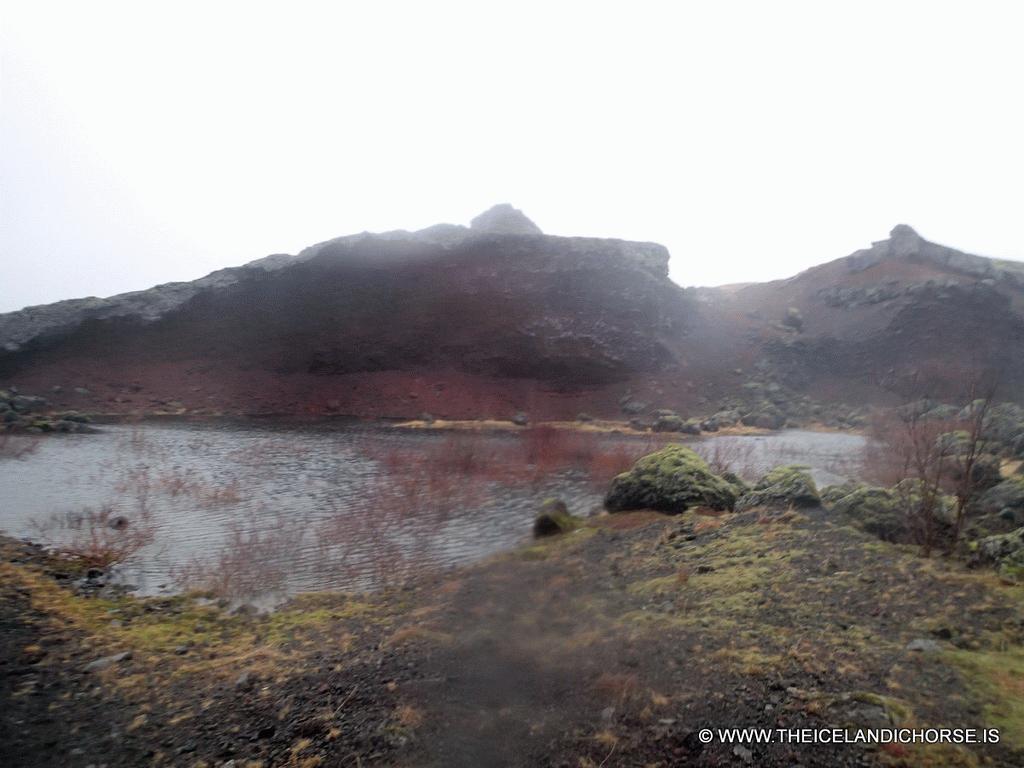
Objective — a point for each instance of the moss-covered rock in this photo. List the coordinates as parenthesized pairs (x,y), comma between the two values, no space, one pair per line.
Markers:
(765,415)
(1007,495)
(878,511)
(671,480)
(554,518)
(788,485)
(668,421)
(1005,551)
(985,471)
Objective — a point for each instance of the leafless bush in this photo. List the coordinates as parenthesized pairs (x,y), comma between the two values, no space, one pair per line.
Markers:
(914,453)
(254,561)
(731,454)
(17,446)
(97,537)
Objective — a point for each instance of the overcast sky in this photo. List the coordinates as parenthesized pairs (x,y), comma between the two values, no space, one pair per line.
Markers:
(149,142)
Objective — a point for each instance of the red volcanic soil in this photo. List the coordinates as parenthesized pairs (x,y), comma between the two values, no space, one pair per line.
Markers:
(97,387)
(551,327)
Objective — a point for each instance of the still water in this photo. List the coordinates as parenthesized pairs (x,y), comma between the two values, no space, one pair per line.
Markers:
(261,512)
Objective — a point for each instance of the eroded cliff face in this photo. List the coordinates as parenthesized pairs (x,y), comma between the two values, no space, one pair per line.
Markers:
(498,318)
(458,322)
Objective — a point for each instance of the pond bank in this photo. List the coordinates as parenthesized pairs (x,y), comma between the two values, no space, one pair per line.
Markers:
(615,644)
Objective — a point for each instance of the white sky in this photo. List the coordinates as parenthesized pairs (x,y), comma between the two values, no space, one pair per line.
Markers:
(147,142)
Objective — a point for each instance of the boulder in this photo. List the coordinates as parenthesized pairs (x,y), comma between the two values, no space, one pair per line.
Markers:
(878,511)
(670,480)
(1005,551)
(26,404)
(985,472)
(788,485)
(1008,494)
(668,421)
(554,518)
(725,418)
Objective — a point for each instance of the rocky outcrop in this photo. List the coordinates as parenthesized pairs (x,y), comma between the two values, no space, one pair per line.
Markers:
(1003,551)
(905,244)
(497,301)
(32,414)
(1005,498)
(498,318)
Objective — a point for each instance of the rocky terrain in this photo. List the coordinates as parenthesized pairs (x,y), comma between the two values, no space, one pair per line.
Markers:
(498,319)
(905,316)
(614,645)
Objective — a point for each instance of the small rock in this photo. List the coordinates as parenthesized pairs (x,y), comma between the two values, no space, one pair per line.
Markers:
(106,661)
(554,518)
(743,753)
(923,645)
(244,681)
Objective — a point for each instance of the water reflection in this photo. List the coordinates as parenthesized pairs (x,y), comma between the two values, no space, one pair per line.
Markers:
(273,511)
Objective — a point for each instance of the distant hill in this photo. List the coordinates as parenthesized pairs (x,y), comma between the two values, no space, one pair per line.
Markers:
(498,319)
(903,315)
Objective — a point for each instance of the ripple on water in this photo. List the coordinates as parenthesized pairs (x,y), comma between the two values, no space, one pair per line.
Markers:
(274,510)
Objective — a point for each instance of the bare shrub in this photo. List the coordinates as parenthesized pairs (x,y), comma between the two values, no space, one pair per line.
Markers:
(916,455)
(17,446)
(97,537)
(254,561)
(736,455)
(609,461)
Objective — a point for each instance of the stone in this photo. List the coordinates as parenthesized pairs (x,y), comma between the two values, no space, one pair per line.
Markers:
(107,661)
(667,421)
(1007,495)
(245,681)
(670,480)
(554,518)
(785,486)
(633,407)
(924,646)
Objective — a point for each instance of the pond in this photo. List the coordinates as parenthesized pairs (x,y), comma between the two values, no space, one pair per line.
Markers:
(262,512)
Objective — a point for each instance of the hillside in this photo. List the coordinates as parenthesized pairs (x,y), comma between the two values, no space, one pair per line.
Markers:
(903,314)
(498,319)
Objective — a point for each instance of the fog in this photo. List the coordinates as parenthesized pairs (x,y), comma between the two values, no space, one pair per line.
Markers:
(144,144)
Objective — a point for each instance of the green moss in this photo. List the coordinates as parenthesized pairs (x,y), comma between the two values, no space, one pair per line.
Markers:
(787,486)
(670,480)
(998,676)
(554,518)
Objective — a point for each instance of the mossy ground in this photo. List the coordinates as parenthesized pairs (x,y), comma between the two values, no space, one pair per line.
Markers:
(613,645)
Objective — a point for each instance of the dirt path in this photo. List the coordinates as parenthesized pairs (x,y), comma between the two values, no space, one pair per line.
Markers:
(612,647)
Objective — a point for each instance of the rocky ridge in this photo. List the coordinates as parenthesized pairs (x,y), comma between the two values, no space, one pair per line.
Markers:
(497,319)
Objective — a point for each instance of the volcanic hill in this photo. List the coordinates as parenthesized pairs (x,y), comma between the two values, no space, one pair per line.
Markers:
(498,319)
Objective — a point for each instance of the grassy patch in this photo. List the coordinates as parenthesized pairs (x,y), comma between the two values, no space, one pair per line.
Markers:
(998,677)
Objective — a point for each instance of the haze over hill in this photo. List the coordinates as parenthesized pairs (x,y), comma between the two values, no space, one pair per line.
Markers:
(498,318)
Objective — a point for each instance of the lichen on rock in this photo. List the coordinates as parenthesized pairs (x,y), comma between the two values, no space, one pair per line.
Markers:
(1005,551)
(554,518)
(670,480)
(788,485)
